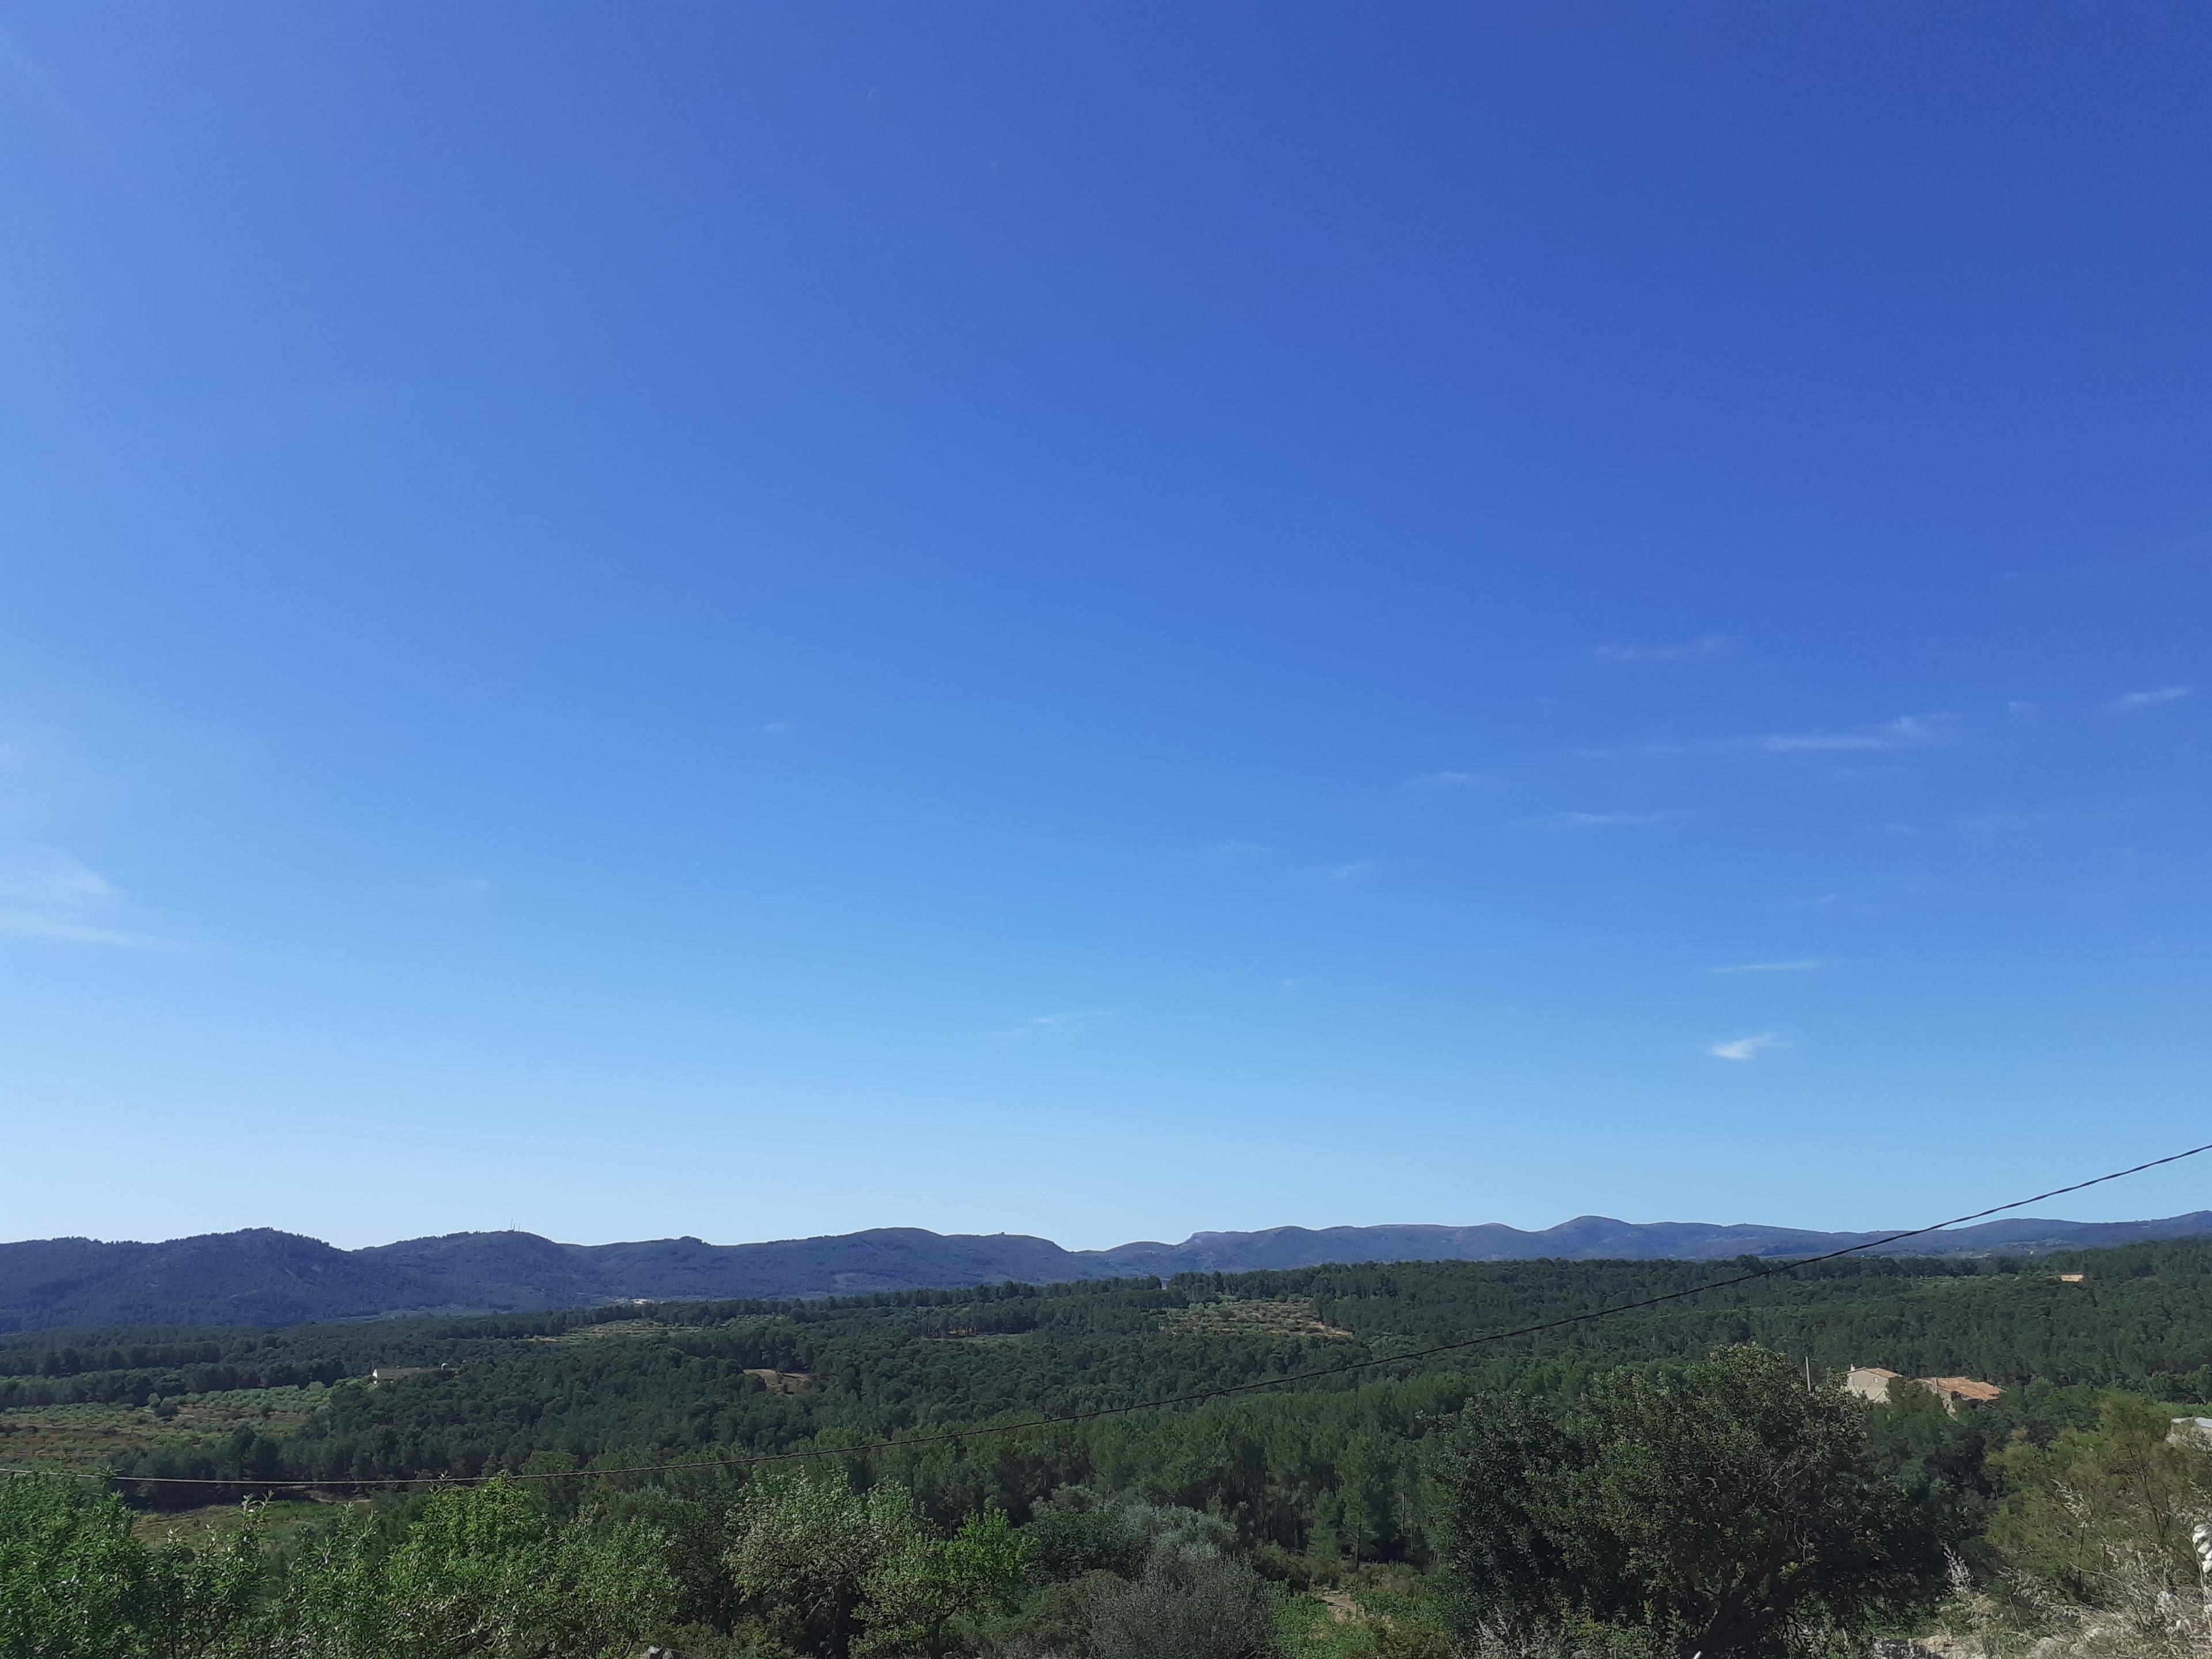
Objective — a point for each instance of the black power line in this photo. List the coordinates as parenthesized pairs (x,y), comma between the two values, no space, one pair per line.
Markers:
(1191,1399)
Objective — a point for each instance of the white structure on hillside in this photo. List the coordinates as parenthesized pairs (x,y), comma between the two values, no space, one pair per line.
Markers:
(1874,1384)
(1871,1383)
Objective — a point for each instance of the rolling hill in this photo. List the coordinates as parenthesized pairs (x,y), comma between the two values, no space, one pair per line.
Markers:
(261,1277)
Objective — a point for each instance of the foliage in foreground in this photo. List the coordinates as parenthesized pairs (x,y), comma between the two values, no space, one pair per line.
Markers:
(483,1571)
(1724,1507)
(1719,1506)
(2103,1549)
(809,1566)
(77,1584)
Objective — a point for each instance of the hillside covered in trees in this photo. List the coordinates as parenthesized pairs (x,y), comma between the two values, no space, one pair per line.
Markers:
(1332,1469)
(749,1379)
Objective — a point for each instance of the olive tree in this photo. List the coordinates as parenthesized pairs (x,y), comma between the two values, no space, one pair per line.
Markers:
(804,1551)
(1717,1506)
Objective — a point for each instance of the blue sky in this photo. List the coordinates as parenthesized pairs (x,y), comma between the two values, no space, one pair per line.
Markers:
(1099,620)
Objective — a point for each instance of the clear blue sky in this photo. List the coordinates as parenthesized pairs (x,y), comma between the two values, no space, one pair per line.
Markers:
(1099,620)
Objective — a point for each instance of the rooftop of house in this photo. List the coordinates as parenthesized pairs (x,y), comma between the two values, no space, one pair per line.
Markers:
(1962,1387)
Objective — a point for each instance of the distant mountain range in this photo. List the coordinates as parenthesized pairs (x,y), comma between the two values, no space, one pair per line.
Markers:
(261,1277)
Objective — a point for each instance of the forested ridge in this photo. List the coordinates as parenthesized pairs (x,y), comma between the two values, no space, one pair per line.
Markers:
(258,1276)
(671,1380)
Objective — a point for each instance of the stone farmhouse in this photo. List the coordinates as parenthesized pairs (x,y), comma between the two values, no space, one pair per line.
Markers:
(1872,1383)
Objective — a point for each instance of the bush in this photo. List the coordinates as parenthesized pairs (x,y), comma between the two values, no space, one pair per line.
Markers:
(1723,1505)
(1190,1603)
(1079,1531)
(77,1584)
(483,1571)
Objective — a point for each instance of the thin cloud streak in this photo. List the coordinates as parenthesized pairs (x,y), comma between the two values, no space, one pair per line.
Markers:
(42,876)
(2134,700)
(1070,1020)
(1749,1048)
(1906,731)
(29,924)
(1902,732)
(1587,820)
(1705,645)
(45,894)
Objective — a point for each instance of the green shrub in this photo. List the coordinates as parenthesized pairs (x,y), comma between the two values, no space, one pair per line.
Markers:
(77,1584)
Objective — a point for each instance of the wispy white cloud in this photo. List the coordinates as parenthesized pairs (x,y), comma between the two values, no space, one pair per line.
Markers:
(2006,820)
(2134,700)
(29,924)
(1799,965)
(1705,645)
(1068,1020)
(1749,1048)
(1346,871)
(45,894)
(1587,820)
(2117,568)
(42,876)
(1905,732)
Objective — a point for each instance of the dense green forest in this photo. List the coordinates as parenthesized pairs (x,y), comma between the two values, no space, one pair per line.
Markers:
(1305,1483)
(633,1383)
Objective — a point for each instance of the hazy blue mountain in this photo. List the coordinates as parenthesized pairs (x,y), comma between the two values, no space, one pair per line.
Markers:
(261,1276)
(258,1277)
